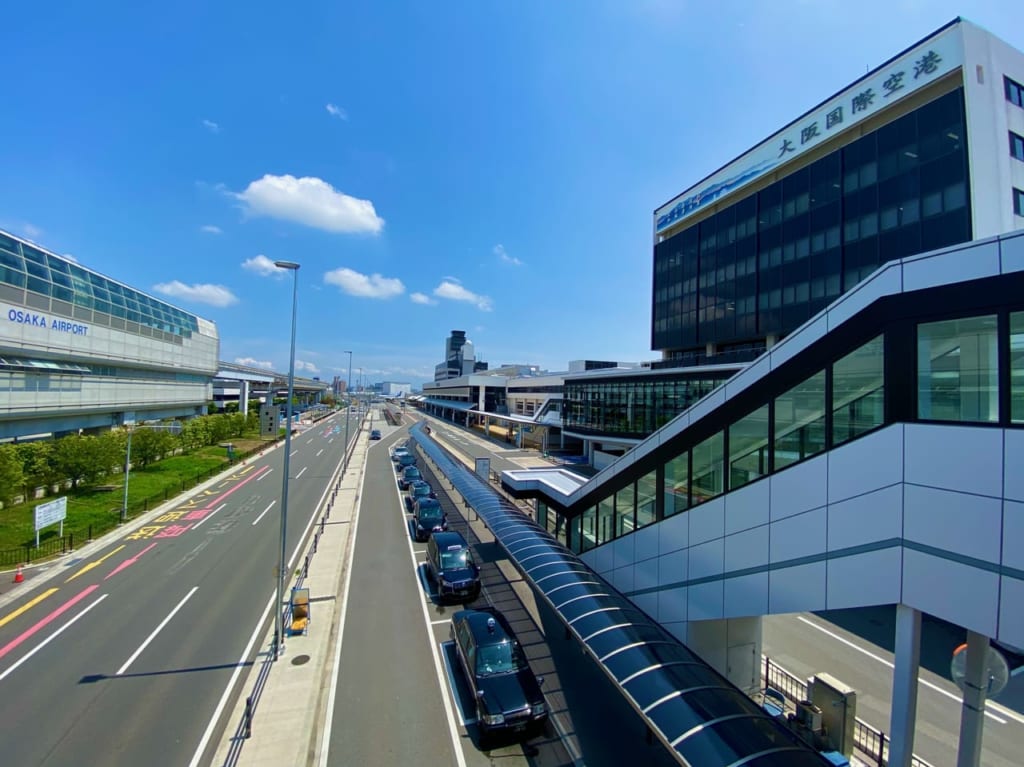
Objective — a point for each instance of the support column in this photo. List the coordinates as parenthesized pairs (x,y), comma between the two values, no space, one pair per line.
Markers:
(243,397)
(972,714)
(904,685)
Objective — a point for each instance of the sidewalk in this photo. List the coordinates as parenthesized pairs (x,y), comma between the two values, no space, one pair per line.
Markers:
(291,695)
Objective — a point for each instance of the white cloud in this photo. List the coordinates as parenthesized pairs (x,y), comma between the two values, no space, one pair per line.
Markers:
(263,266)
(211,126)
(310,201)
(364,286)
(422,298)
(69,257)
(499,251)
(31,232)
(309,367)
(335,111)
(455,292)
(211,229)
(214,295)
(254,363)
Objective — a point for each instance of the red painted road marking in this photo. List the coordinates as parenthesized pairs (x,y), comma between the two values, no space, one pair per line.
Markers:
(221,497)
(47,620)
(129,562)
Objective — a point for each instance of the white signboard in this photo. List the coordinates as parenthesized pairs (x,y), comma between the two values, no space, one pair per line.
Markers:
(888,84)
(483,468)
(50,514)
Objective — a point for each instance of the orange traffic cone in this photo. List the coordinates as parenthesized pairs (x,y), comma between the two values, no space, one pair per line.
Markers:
(18,577)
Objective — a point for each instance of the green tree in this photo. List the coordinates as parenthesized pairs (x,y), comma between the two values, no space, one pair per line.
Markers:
(11,476)
(220,428)
(238,424)
(110,447)
(74,458)
(149,445)
(195,433)
(37,464)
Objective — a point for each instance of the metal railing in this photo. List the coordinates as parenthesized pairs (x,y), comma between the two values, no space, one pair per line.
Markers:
(869,740)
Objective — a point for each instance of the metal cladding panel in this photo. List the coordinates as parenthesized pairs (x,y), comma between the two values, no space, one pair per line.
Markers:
(628,639)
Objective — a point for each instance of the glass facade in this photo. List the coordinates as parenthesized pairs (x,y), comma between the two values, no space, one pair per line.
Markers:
(858,391)
(957,370)
(635,406)
(77,292)
(768,262)
(800,422)
(1017,367)
(748,448)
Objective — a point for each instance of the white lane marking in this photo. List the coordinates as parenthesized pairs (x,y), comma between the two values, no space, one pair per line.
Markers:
(201,521)
(330,440)
(156,631)
(264,512)
(293,452)
(925,682)
(261,476)
(453,727)
(318,452)
(205,740)
(438,623)
(301,472)
(50,638)
(325,741)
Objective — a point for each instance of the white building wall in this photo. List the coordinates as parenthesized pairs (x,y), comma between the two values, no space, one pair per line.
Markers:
(990,117)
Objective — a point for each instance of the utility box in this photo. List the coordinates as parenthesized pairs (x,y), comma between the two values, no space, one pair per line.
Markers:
(269,415)
(838,704)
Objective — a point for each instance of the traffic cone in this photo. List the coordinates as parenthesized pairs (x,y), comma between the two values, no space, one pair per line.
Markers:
(18,577)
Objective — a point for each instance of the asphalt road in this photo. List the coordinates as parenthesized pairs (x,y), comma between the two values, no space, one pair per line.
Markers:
(401,697)
(805,644)
(122,658)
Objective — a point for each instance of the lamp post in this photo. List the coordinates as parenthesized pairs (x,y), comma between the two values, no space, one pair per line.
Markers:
(175,428)
(348,409)
(278,623)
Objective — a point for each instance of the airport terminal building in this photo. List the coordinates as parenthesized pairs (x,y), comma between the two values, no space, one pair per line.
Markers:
(79,350)
(870,454)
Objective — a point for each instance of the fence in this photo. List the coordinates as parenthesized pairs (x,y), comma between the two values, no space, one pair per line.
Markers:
(869,741)
(49,547)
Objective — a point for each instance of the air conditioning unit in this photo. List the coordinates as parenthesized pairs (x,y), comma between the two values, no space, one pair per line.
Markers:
(809,715)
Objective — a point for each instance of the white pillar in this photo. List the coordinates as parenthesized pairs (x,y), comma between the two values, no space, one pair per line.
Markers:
(972,713)
(903,717)
(243,397)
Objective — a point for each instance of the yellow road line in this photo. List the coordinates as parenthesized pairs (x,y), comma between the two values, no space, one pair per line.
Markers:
(27,606)
(97,563)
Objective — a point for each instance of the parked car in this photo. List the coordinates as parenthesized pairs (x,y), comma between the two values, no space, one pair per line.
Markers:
(409,473)
(375,434)
(507,693)
(417,489)
(428,517)
(405,460)
(398,453)
(451,566)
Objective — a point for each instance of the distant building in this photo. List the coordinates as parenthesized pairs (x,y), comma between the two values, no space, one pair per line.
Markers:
(459,358)
(394,389)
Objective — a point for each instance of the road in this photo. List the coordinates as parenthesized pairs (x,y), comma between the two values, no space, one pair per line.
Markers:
(123,657)
(804,644)
(400,699)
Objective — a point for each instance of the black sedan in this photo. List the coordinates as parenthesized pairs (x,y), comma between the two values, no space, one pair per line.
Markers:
(508,696)
(375,434)
(409,473)
(427,518)
(417,489)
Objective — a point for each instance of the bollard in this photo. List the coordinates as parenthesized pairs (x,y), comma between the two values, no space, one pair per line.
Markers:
(305,567)
(248,717)
(316,541)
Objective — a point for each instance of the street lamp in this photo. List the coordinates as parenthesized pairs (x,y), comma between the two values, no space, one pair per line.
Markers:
(348,408)
(175,428)
(278,623)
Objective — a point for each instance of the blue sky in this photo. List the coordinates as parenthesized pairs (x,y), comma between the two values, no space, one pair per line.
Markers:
(486,166)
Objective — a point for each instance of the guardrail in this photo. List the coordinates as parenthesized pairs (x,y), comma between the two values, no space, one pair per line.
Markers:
(870,741)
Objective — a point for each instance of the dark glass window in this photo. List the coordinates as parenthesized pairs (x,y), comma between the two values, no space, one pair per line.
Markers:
(957,370)
(1018,202)
(1014,91)
(1016,146)
(1017,367)
(858,388)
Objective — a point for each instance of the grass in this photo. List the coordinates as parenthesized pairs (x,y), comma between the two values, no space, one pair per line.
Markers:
(101,508)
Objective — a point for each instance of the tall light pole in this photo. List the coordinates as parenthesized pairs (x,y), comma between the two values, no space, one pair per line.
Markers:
(175,428)
(278,623)
(348,408)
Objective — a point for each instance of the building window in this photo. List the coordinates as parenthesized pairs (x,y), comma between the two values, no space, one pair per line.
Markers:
(1014,91)
(625,512)
(1016,146)
(708,465)
(1018,202)
(646,498)
(800,422)
(858,388)
(606,520)
(957,370)
(1017,367)
(588,531)
(748,448)
(677,484)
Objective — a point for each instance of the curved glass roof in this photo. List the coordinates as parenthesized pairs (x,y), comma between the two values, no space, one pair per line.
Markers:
(696,712)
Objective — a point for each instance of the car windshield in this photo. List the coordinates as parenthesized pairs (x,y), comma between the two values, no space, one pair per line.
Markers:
(431,513)
(412,473)
(500,658)
(421,490)
(460,558)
